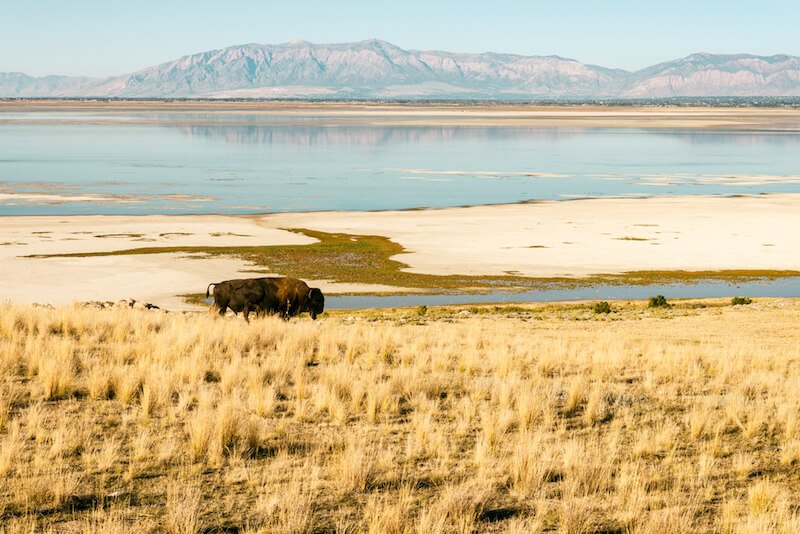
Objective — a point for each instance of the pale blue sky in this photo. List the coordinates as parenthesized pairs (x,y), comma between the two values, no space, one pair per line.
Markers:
(97,38)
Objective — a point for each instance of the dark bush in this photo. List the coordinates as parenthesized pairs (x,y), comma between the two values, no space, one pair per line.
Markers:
(741,301)
(659,301)
(422,310)
(601,307)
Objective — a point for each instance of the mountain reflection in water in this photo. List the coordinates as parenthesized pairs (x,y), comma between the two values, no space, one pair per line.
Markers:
(250,163)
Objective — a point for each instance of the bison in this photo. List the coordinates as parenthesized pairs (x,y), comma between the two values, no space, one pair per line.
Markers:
(291,297)
(239,295)
(285,296)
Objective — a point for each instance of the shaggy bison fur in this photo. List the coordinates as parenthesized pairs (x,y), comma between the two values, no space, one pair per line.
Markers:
(285,296)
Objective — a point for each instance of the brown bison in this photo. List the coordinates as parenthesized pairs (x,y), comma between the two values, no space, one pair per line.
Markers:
(285,296)
(244,295)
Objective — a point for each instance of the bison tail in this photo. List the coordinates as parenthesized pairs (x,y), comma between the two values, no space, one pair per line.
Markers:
(209,288)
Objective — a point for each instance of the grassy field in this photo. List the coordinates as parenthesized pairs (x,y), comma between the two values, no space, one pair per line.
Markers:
(467,419)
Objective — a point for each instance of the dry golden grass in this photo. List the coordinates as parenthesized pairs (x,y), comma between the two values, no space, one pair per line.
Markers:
(509,419)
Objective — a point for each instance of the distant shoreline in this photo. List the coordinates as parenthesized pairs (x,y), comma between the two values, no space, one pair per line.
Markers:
(780,102)
(587,114)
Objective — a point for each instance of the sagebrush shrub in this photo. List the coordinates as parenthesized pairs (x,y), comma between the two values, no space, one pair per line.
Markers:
(601,307)
(659,301)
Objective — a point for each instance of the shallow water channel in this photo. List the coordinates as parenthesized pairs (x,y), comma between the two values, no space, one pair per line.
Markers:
(778,287)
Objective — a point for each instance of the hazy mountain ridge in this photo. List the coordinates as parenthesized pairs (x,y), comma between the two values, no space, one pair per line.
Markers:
(704,74)
(377,69)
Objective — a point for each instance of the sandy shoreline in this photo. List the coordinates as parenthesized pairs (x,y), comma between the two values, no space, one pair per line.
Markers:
(584,237)
(542,239)
(155,278)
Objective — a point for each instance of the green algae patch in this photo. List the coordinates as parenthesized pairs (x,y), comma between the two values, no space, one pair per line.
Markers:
(367,259)
(359,259)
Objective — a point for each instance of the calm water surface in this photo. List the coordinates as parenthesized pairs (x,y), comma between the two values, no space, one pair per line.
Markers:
(780,287)
(84,162)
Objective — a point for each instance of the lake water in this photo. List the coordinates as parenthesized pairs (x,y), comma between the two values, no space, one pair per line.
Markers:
(109,163)
(779,287)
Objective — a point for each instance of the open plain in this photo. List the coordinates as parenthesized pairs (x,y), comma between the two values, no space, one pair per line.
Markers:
(484,419)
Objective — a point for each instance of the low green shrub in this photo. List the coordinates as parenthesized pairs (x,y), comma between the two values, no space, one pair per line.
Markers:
(601,307)
(741,301)
(659,301)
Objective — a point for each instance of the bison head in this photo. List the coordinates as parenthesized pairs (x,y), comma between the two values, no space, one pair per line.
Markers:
(316,302)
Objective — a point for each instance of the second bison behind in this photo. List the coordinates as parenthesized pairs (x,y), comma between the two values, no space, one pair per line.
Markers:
(285,296)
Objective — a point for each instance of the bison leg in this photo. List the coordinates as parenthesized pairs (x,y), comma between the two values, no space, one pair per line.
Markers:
(222,305)
(251,308)
(292,308)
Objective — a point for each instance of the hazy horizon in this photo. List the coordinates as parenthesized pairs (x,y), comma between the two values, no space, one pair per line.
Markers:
(86,38)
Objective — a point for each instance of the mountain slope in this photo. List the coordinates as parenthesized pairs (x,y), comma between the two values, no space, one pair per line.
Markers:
(364,69)
(377,69)
(718,75)
(16,84)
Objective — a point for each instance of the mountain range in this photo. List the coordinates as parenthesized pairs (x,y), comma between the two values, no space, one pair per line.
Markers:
(375,69)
